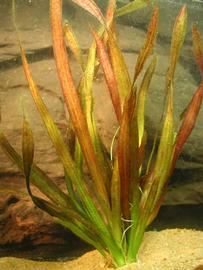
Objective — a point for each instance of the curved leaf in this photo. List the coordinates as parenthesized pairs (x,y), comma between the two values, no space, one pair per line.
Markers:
(38,177)
(188,121)
(92,8)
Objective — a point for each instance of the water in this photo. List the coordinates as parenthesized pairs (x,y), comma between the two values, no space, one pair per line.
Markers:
(34,27)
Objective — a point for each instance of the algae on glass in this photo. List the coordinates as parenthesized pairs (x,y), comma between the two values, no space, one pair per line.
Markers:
(112,211)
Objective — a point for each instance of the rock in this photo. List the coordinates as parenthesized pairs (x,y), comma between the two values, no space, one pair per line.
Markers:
(22,223)
(16,95)
(168,11)
(34,28)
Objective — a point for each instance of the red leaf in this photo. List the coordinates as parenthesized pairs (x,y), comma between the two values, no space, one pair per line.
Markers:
(198,49)
(124,152)
(109,75)
(189,120)
(148,45)
(90,6)
(72,99)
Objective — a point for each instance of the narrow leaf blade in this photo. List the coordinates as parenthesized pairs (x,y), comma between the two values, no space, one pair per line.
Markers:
(110,12)
(178,36)
(52,129)
(198,48)
(148,45)
(109,75)
(92,8)
(116,202)
(72,99)
(119,67)
(132,6)
(124,153)
(73,44)
(188,121)
(27,148)
(86,94)
(142,98)
(38,177)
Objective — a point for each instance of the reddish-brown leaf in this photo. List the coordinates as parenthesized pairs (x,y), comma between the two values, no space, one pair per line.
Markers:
(189,120)
(110,12)
(148,45)
(91,7)
(72,99)
(119,66)
(124,152)
(198,48)
(109,75)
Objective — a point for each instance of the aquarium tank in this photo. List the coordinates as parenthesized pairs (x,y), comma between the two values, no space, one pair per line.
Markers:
(101,147)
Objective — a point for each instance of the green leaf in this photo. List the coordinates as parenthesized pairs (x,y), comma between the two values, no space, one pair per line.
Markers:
(86,94)
(81,187)
(165,149)
(87,236)
(157,178)
(156,181)
(132,6)
(38,177)
(27,148)
(52,129)
(178,36)
(73,44)
(54,210)
(119,67)
(142,97)
(112,209)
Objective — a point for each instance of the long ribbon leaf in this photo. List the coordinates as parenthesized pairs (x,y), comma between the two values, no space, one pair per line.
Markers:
(198,48)
(148,45)
(72,100)
(109,75)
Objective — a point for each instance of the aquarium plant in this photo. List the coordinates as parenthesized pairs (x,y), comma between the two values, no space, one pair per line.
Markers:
(111,206)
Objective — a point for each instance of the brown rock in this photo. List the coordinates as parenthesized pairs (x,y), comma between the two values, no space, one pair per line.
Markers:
(21,222)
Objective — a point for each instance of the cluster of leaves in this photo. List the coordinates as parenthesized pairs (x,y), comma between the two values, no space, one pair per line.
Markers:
(112,210)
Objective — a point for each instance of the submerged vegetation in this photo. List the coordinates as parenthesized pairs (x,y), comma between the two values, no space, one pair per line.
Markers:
(113,209)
